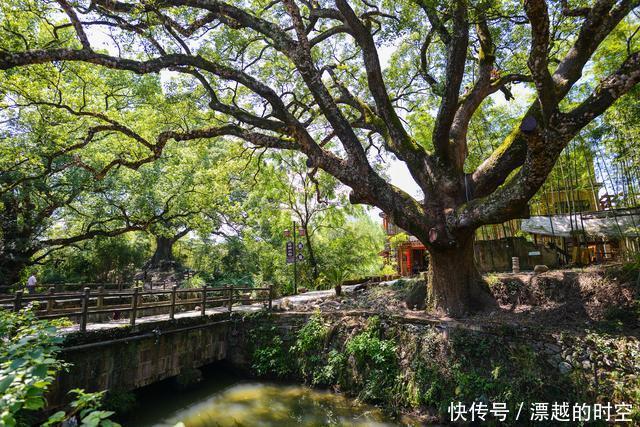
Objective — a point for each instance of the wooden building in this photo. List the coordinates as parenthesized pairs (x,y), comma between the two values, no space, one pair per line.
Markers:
(403,250)
(567,227)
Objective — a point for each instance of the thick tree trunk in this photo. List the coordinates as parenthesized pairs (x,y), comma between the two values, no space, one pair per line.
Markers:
(163,256)
(10,271)
(455,285)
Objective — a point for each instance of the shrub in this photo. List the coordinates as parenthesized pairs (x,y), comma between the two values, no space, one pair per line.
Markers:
(28,366)
(269,357)
(333,371)
(376,362)
(194,282)
(309,347)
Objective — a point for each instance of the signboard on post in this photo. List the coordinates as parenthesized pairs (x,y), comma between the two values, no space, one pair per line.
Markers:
(299,255)
(294,251)
(290,253)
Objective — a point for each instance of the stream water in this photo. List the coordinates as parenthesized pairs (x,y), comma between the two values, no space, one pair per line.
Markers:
(226,399)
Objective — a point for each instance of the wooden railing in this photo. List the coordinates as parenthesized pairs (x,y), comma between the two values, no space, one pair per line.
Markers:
(70,287)
(79,287)
(134,303)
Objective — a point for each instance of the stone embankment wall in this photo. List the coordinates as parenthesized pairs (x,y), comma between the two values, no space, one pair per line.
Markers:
(413,365)
(421,366)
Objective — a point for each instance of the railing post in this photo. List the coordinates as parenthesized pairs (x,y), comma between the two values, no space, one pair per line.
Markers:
(17,303)
(85,310)
(204,300)
(100,302)
(270,296)
(172,308)
(230,298)
(50,300)
(134,306)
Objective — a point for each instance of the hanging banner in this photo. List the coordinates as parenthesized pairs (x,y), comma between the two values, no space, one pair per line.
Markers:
(290,252)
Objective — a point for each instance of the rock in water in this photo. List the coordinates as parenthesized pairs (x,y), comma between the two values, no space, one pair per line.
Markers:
(416,298)
(540,269)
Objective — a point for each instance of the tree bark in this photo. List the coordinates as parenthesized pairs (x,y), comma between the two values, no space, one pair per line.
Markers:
(455,286)
(163,255)
(10,272)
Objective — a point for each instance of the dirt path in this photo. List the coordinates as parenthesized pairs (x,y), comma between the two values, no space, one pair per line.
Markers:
(560,299)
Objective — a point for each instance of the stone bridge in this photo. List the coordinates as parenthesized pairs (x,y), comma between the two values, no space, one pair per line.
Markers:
(119,356)
(126,358)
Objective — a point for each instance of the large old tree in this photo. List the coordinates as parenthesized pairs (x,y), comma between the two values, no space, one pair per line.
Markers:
(308,75)
(69,174)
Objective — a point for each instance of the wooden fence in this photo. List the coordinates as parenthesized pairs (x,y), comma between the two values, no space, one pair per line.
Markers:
(77,287)
(55,305)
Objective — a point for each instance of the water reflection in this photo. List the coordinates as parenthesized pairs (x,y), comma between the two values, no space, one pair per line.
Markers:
(225,399)
(271,405)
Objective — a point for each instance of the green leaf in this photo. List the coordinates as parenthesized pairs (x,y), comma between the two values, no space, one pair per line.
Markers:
(34,403)
(17,363)
(33,392)
(55,419)
(95,418)
(40,371)
(8,420)
(6,382)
